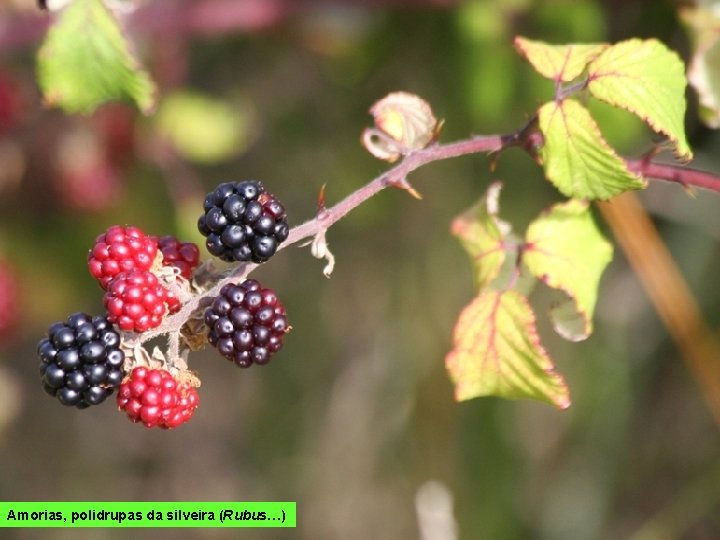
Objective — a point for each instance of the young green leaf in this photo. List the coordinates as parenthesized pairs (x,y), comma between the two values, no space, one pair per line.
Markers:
(566,250)
(558,62)
(86,61)
(647,79)
(576,157)
(497,352)
(482,233)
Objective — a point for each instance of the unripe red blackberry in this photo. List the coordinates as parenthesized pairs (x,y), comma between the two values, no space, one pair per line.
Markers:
(185,256)
(136,301)
(81,360)
(246,323)
(243,222)
(155,398)
(120,250)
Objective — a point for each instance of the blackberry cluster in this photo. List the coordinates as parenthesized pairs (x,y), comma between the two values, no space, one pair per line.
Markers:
(81,360)
(243,222)
(246,323)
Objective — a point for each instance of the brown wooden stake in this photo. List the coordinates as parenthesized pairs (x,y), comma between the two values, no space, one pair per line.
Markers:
(668,291)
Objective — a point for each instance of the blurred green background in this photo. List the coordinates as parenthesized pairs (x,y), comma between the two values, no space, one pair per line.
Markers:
(354,419)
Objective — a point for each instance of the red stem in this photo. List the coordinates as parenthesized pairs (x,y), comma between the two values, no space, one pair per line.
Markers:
(680,174)
(394,177)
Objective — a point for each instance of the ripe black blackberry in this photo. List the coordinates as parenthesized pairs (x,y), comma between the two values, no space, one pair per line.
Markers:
(246,323)
(81,360)
(243,222)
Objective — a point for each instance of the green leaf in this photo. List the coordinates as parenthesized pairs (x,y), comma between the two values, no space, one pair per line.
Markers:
(647,79)
(566,250)
(482,234)
(558,62)
(497,352)
(576,157)
(86,61)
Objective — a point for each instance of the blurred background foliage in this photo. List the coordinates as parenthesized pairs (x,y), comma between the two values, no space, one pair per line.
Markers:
(355,418)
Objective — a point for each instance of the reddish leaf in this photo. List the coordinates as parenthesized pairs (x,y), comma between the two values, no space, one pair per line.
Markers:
(497,352)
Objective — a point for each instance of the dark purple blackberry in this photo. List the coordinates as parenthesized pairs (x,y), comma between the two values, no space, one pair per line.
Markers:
(243,222)
(81,361)
(246,323)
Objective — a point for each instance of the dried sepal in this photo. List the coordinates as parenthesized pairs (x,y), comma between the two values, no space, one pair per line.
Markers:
(320,250)
(187,377)
(171,278)
(194,332)
(381,145)
(137,355)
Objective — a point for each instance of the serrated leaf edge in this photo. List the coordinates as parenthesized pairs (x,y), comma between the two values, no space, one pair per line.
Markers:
(492,207)
(521,42)
(675,140)
(53,97)
(532,337)
(604,145)
(589,327)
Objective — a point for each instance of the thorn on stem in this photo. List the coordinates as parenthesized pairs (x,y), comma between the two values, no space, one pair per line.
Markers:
(493,162)
(403,184)
(656,149)
(321,200)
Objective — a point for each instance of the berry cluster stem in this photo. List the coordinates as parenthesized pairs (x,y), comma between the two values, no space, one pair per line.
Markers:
(394,177)
(527,138)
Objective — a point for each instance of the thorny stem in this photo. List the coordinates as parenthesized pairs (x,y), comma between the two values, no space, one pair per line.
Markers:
(393,177)
(326,218)
(527,138)
(685,176)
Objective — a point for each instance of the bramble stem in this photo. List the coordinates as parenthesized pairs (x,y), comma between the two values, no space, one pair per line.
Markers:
(393,177)
(328,216)
(685,176)
(527,138)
